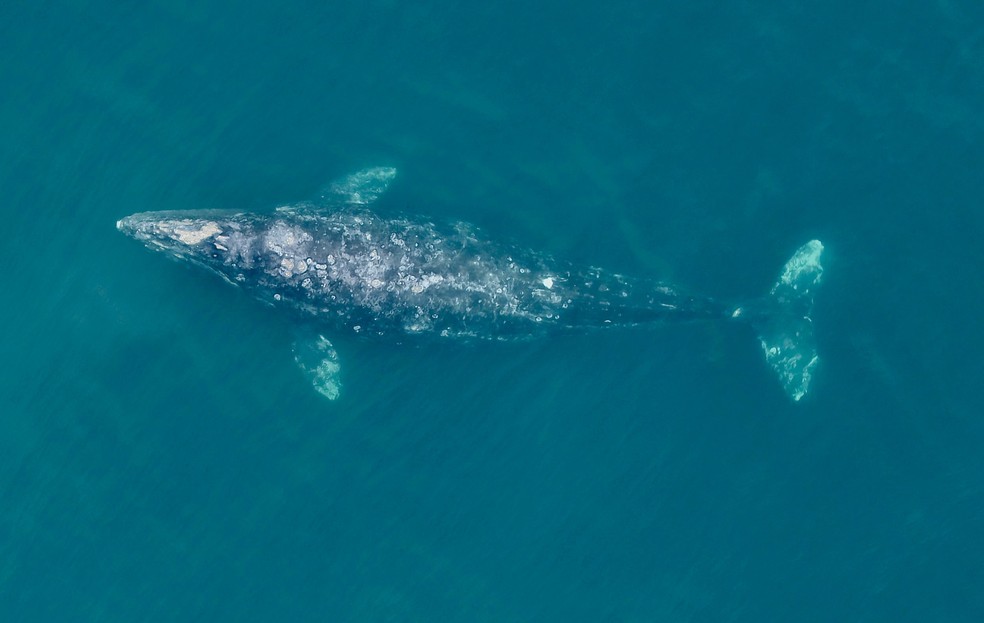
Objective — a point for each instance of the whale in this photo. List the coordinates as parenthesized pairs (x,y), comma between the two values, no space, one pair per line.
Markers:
(338,266)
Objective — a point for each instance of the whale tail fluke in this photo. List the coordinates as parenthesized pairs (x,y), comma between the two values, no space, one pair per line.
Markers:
(784,323)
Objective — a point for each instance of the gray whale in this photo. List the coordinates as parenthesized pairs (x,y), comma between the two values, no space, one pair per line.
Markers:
(345,269)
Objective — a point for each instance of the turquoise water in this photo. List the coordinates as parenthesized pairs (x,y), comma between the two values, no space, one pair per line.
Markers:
(162,459)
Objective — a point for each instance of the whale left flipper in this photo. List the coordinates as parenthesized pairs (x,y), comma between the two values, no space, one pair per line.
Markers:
(318,360)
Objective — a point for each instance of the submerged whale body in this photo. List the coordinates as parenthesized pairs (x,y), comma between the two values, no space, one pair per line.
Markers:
(344,268)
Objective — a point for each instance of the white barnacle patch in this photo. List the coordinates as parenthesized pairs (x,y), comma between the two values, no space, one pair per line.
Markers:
(191,232)
(283,239)
(419,324)
(548,282)
(286,267)
(425,282)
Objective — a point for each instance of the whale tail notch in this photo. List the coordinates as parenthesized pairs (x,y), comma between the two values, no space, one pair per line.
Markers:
(784,322)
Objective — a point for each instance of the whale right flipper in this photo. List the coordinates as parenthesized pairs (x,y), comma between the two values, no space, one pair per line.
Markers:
(318,360)
(360,188)
(356,190)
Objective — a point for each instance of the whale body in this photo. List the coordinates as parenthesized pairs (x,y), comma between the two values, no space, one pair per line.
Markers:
(343,268)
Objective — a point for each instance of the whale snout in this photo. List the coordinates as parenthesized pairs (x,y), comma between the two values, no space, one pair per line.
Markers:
(126,225)
(142,225)
(182,234)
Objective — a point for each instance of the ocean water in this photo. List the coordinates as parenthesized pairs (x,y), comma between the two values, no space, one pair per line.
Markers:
(162,459)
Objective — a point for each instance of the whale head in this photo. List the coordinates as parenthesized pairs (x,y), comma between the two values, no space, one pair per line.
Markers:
(221,241)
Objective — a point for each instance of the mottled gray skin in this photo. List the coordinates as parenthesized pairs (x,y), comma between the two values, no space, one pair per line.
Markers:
(351,270)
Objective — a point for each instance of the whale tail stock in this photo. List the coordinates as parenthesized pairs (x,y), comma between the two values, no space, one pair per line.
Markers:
(783,320)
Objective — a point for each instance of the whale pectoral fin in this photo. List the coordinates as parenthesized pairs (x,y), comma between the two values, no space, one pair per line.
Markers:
(318,360)
(360,188)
